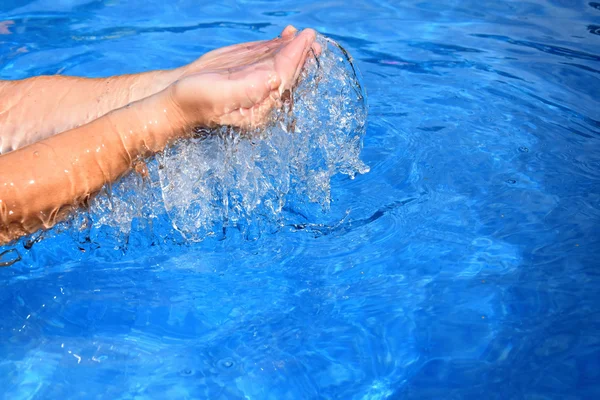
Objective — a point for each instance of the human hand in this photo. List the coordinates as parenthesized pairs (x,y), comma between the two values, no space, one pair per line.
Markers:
(221,57)
(239,85)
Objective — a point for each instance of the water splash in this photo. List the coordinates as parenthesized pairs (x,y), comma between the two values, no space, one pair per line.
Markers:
(222,179)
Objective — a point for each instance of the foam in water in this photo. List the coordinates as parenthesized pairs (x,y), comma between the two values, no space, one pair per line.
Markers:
(223,179)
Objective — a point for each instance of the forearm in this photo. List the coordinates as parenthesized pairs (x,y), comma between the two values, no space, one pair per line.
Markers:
(36,108)
(43,182)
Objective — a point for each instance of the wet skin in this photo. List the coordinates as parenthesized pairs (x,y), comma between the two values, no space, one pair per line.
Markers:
(63,138)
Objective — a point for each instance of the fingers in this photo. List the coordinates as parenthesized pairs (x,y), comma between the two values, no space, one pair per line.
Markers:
(240,54)
(262,46)
(289,31)
(306,53)
(317,49)
(256,77)
(245,55)
(290,59)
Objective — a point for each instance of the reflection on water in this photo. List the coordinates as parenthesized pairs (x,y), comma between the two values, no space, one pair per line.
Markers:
(463,265)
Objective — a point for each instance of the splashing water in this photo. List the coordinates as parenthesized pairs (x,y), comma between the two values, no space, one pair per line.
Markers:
(222,179)
(226,180)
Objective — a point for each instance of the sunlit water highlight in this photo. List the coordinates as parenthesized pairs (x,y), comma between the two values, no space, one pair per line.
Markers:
(463,265)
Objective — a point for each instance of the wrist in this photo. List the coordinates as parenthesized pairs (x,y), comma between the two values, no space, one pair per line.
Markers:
(149,83)
(149,125)
(191,97)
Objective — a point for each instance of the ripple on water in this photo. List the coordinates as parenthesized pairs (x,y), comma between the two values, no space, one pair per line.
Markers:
(442,272)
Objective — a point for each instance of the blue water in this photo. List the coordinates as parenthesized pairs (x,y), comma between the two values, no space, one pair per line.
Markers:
(466,268)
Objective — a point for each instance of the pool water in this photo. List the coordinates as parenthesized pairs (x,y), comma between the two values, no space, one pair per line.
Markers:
(463,265)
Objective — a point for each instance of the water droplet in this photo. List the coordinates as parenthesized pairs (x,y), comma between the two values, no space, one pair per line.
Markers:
(226,363)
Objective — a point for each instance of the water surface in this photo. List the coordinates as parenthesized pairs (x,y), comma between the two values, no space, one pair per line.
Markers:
(463,265)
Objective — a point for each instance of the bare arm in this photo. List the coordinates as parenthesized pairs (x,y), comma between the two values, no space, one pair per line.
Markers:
(36,108)
(41,183)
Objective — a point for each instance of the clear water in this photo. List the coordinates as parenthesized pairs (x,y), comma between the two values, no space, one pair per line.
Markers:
(463,265)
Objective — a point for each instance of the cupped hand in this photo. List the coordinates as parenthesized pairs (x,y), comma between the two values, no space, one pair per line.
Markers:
(221,57)
(240,85)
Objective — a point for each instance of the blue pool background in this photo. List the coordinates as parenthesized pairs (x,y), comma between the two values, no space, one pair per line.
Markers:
(467,267)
